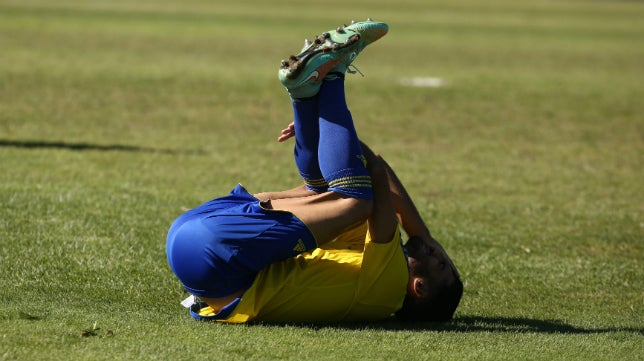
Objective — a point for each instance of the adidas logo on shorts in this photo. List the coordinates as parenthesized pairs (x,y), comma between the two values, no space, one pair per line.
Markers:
(299,247)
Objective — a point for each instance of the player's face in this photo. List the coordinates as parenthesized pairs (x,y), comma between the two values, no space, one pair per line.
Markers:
(429,262)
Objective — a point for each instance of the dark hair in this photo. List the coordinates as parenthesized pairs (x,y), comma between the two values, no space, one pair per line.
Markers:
(440,308)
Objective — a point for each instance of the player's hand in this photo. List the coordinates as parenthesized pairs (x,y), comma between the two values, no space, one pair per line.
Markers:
(287,133)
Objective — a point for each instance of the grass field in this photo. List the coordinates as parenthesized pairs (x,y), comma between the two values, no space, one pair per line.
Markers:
(527,164)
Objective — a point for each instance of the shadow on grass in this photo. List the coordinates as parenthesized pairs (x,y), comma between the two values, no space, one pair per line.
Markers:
(474,324)
(38,144)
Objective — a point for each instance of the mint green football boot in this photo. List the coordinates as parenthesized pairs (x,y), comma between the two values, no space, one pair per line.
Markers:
(369,31)
(302,74)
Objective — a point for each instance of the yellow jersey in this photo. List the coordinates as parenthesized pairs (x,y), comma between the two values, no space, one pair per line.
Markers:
(350,279)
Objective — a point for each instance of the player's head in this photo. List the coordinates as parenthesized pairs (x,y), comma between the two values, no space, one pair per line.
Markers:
(435,288)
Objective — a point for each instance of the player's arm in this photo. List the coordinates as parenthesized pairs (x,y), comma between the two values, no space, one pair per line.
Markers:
(405,209)
(382,222)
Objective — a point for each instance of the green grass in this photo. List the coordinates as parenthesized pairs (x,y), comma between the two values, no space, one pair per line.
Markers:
(528,166)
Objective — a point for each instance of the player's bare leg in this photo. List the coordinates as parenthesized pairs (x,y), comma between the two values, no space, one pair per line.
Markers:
(327,215)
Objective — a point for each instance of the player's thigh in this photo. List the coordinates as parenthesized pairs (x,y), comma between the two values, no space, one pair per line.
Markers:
(328,214)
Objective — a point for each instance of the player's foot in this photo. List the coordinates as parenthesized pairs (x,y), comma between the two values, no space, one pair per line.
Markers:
(369,31)
(302,74)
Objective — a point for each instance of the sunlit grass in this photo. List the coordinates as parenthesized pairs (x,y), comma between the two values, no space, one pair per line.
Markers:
(526,162)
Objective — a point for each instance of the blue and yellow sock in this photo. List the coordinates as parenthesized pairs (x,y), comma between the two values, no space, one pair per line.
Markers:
(340,156)
(307,135)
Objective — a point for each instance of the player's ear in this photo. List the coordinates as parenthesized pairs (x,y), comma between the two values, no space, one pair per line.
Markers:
(419,287)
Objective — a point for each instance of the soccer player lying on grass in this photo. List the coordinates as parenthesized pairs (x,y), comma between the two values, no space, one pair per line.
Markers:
(287,256)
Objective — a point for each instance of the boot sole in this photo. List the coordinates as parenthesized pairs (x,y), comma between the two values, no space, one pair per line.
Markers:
(297,63)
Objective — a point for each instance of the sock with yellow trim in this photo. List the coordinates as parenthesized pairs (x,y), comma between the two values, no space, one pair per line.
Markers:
(340,155)
(307,135)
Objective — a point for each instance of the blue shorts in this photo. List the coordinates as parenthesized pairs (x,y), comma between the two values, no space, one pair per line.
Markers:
(219,247)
